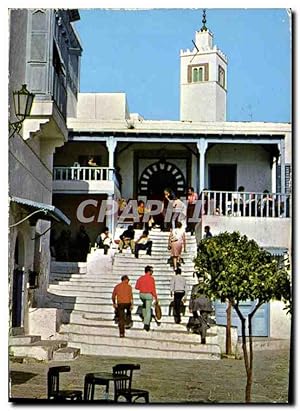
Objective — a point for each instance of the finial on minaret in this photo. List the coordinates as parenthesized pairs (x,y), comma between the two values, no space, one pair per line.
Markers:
(204,28)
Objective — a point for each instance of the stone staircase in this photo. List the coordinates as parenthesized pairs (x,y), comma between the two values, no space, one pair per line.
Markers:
(34,346)
(86,300)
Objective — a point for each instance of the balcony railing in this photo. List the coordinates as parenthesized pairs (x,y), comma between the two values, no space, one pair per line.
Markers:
(84,174)
(245,204)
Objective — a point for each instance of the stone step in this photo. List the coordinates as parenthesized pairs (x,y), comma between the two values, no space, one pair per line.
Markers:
(157,257)
(164,266)
(134,274)
(66,354)
(107,319)
(115,278)
(104,291)
(158,333)
(112,279)
(96,304)
(146,346)
(40,350)
(108,285)
(23,339)
(68,267)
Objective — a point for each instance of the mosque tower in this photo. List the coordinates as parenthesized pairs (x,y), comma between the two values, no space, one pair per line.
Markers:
(203,79)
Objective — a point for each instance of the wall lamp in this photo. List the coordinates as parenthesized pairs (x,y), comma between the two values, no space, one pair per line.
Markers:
(23,100)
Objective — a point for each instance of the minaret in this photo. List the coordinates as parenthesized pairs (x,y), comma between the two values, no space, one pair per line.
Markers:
(203,79)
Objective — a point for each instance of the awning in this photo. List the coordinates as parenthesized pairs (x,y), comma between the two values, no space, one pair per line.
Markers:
(276,251)
(48,211)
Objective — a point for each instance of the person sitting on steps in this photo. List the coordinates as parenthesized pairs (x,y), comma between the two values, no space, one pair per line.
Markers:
(143,243)
(127,239)
(104,240)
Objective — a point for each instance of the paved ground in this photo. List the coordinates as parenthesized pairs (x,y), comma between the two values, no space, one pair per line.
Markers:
(170,381)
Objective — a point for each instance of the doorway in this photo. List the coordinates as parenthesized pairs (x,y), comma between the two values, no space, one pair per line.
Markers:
(222,177)
(18,284)
(158,176)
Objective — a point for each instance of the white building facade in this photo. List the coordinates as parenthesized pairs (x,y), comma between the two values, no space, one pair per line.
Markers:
(44,53)
(202,150)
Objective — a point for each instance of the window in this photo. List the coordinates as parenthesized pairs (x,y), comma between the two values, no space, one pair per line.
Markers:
(197,73)
(287,179)
(221,76)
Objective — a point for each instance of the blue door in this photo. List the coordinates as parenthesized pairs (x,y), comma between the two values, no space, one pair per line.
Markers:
(260,321)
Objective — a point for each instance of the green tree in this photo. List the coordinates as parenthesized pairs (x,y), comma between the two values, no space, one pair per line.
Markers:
(236,269)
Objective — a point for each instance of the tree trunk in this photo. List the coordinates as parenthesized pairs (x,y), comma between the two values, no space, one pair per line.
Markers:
(228,329)
(250,367)
(245,352)
(248,386)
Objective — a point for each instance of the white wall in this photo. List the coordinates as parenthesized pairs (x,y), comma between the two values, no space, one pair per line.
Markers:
(125,162)
(198,101)
(267,232)
(280,321)
(253,167)
(102,106)
(28,176)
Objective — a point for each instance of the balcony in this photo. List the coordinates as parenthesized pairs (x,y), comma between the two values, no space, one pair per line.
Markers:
(85,180)
(245,204)
(264,217)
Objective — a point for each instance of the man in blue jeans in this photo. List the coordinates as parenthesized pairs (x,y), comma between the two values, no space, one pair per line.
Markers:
(146,286)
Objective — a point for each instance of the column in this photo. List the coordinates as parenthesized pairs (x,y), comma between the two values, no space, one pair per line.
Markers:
(202,147)
(111,219)
(282,165)
(111,144)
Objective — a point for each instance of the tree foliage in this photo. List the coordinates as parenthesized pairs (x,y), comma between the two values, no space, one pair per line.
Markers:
(237,269)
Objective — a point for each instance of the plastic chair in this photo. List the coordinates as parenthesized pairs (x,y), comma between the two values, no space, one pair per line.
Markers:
(54,393)
(123,387)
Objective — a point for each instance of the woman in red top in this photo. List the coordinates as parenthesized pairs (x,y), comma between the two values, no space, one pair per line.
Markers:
(146,286)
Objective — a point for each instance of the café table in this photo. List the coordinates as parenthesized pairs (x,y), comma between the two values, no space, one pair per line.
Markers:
(99,378)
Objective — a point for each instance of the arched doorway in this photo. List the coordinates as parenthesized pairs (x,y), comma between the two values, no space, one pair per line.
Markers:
(159,175)
(18,283)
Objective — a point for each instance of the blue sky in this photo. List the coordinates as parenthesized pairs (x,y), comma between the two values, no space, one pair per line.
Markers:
(137,52)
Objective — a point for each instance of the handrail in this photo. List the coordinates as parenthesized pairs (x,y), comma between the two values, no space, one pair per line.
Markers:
(84,173)
(245,204)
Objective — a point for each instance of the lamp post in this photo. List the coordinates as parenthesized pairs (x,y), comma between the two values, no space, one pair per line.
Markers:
(23,100)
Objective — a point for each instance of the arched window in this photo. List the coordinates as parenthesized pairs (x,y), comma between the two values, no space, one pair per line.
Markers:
(195,75)
(221,76)
(198,73)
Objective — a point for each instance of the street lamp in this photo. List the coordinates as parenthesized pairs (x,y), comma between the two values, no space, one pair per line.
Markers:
(23,100)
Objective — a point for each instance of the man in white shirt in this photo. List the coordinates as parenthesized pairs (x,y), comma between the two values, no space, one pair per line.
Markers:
(178,288)
(104,240)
